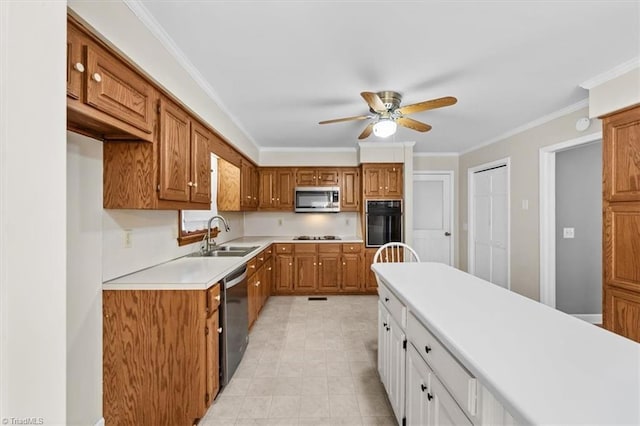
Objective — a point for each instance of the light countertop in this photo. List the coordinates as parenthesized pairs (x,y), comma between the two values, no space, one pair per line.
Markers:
(544,366)
(200,273)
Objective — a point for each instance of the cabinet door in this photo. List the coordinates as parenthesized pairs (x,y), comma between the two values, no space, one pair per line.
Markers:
(200,164)
(252,298)
(383,344)
(284,190)
(268,278)
(370,282)
(306,177)
(255,187)
(417,382)
(373,182)
(305,272)
(245,185)
(350,270)
(443,409)
(327,177)
(266,195)
(396,374)
(284,274)
(621,156)
(328,272)
(76,67)
(393,181)
(212,366)
(350,190)
(175,152)
(622,312)
(115,89)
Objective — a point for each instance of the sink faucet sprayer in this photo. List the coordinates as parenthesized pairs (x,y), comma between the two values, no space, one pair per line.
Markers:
(208,244)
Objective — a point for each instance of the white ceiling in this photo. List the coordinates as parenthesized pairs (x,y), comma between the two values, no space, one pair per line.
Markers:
(279,67)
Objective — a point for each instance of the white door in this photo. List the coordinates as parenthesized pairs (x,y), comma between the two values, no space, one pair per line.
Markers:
(490,226)
(432,217)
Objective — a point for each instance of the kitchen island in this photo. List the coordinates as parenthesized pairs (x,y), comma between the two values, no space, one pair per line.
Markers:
(541,365)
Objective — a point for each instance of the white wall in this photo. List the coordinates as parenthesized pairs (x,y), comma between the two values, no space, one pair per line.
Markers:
(84,280)
(33,210)
(308,157)
(118,24)
(615,94)
(268,224)
(154,239)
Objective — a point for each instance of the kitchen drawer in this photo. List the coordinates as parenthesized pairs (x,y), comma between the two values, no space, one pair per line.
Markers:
(268,252)
(284,248)
(460,383)
(328,248)
(252,266)
(397,310)
(352,248)
(260,258)
(213,299)
(306,248)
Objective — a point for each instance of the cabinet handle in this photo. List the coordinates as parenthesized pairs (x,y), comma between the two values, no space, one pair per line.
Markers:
(427,349)
(96,77)
(423,387)
(78,67)
(220,330)
(429,396)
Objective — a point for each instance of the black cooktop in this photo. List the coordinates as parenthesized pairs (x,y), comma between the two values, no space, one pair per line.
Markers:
(324,237)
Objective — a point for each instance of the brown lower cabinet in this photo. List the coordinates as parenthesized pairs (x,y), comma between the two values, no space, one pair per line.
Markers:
(370,282)
(259,282)
(309,268)
(160,355)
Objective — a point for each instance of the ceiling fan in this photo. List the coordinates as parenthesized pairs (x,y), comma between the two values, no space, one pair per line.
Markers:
(388,114)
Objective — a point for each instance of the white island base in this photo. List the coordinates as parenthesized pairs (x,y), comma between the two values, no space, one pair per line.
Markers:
(455,349)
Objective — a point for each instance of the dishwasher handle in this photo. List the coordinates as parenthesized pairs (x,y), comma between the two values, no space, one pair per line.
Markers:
(235,277)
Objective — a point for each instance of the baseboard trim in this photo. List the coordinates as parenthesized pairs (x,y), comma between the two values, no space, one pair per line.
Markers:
(591,318)
(100,422)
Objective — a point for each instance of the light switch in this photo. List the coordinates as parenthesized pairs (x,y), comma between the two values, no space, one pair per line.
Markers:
(568,232)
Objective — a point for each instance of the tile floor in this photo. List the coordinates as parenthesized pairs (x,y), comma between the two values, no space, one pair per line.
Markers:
(308,363)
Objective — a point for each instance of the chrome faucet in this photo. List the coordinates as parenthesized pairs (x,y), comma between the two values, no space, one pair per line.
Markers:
(208,245)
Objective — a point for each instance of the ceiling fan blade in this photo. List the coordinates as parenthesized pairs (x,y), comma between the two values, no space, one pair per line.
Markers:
(413,124)
(426,105)
(374,101)
(339,120)
(366,132)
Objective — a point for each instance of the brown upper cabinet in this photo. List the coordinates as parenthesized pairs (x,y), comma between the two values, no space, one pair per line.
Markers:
(185,164)
(350,189)
(317,177)
(248,186)
(228,186)
(382,180)
(276,189)
(105,97)
(621,162)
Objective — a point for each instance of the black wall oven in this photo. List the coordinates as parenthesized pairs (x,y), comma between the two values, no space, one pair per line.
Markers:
(383,222)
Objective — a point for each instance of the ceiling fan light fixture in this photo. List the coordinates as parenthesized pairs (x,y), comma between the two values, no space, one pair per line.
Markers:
(384,128)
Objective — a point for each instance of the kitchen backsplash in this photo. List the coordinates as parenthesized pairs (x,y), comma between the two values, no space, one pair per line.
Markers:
(153,239)
(291,224)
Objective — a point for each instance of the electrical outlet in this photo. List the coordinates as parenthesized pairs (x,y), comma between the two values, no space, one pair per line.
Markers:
(347,222)
(279,222)
(128,238)
(568,232)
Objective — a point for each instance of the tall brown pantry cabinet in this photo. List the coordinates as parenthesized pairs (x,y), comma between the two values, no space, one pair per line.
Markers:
(621,222)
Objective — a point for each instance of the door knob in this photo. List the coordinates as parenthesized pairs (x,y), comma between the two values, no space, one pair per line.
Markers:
(447,234)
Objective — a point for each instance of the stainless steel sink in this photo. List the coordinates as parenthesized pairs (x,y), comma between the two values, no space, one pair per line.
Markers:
(225,251)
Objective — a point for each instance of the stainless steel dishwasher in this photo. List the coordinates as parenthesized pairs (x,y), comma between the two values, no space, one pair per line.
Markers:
(235,322)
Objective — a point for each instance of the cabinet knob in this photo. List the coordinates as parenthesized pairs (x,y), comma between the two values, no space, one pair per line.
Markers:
(252,266)
(289,263)
(427,349)
(269,268)
(217,298)
(78,67)
(447,234)
(386,187)
(195,184)
(96,77)
(388,329)
(261,259)
(277,199)
(189,183)
(314,263)
(320,263)
(249,196)
(429,396)
(344,263)
(220,330)
(384,324)
(258,284)
(283,248)
(273,199)
(380,187)
(255,198)
(386,299)
(423,387)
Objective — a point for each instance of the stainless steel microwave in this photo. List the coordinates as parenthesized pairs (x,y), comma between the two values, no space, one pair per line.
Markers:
(317,199)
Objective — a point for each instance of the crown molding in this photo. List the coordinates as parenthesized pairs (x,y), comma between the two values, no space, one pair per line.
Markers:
(535,123)
(385,144)
(147,19)
(614,72)
(306,150)
(436,154)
